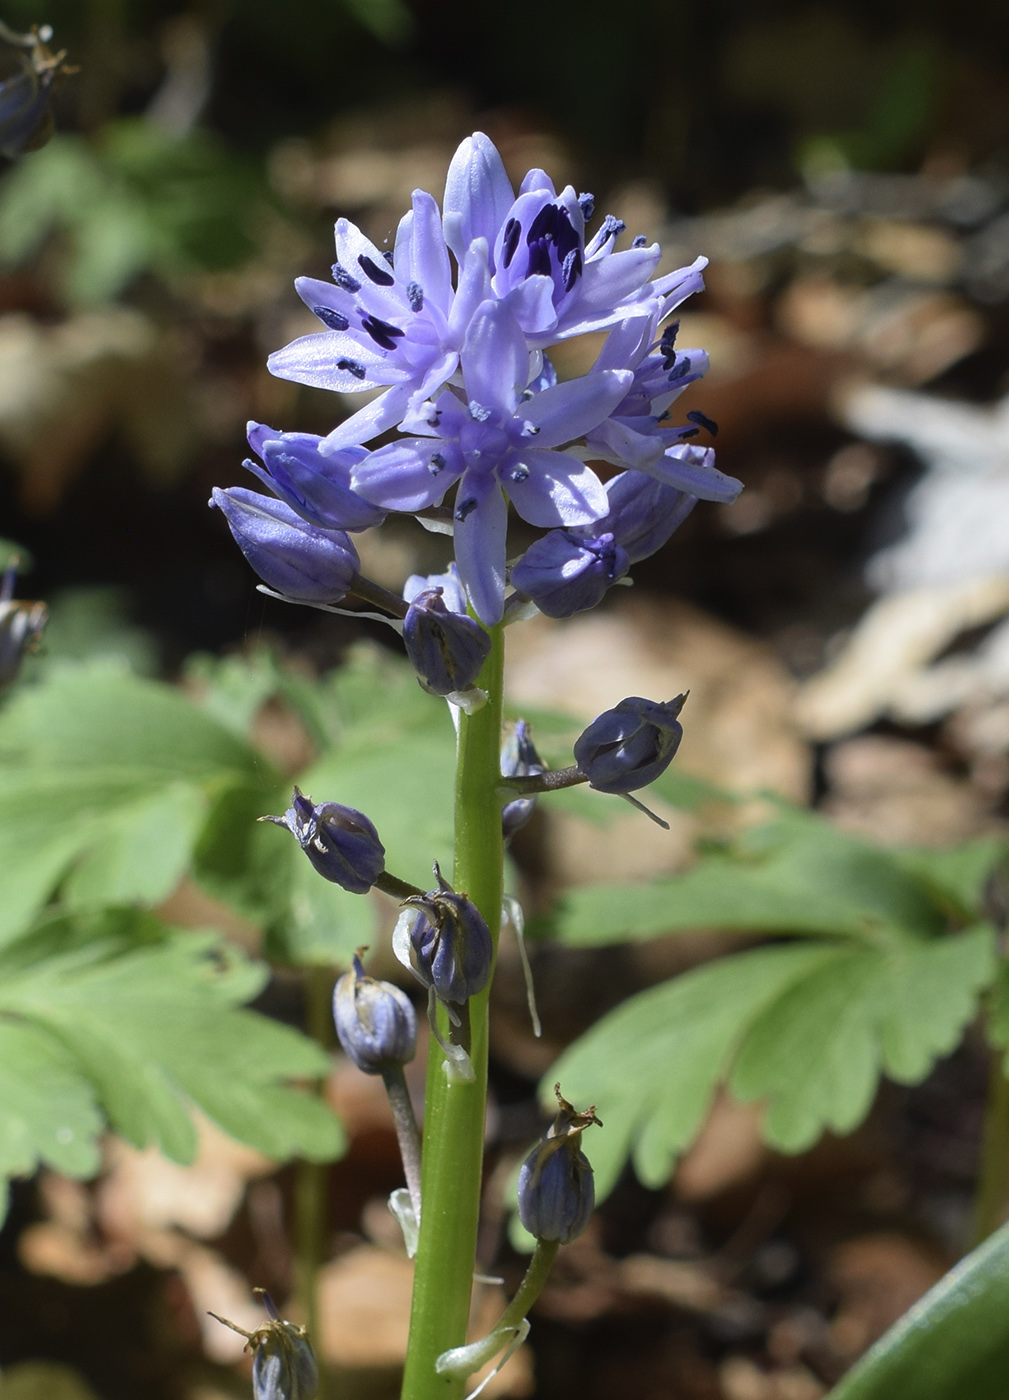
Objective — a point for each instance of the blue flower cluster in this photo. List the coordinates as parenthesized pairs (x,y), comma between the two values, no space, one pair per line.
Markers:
(450,327)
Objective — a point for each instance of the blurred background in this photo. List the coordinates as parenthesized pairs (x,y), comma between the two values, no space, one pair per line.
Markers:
(842,627)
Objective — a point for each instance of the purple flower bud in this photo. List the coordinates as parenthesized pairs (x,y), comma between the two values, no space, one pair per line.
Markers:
(556,1191)
(447,649)
(567,571)
(628,747)
(314,486)
(284,1366)
(644,512)
(449,949)
(304,563)
(374,1020)
(341,843)
(519,759)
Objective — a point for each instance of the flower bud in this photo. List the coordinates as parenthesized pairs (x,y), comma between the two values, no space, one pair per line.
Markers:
(304,563)
(447,946)
(519,759)
(316,487)
(628,747)
(567,571)
(556,1191)
(447,649)
(375,1021)
(341,842)
(284,1365)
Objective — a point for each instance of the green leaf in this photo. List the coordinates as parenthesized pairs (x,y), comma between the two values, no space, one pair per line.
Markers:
(956,876)
(652,1065)
(809,1027)
(145,1033)
(954,1342)
(110,777)
(797,875)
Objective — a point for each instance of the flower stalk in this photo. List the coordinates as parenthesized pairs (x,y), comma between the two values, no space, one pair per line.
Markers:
(455,1109)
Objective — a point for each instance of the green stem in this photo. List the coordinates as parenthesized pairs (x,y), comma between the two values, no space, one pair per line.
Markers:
(508,1331)
(993,1179)
(453,1110)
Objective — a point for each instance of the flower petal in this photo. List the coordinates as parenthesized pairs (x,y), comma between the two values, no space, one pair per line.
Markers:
(480,544)
(374,418)
(559,490)
(330,360)
(423,256)
(495,360)
(408,475)
(474,288)
(569,410)
(689,468)
(609,281)
(478,194)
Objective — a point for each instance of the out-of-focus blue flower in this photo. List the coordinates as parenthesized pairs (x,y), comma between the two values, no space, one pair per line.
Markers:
(304,563)
(316,487)
(341,842)
(448,945)
(628,747)
(636,434)
(374,1020)
(26,117)
(500,443)
(519,759)
(447,649)
(556,1189)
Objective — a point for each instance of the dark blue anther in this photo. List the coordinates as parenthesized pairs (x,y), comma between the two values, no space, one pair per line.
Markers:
(587,204)
(352,367)
(689,433)
(343,279)
(477,412)
(334,320)
(512,233)
(639,241)
(376,274)
(381,332)
(519,474)
(436,464)
(571,268)
(679,370)
(415,296)
(703,421)
(465,508)
(387,254)
(667,345)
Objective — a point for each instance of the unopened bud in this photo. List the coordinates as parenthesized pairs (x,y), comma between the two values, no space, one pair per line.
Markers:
(341,842)
(630,746)
(304,563)
(447,944)
(284,1365)
(556,1191)
(375,1021)
(447,649)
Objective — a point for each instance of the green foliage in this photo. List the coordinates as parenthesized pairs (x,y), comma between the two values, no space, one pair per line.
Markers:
(115,1020)
(107,780)
(954,1342)
(895,958)
(139,200)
